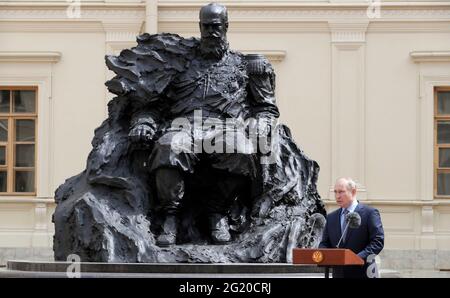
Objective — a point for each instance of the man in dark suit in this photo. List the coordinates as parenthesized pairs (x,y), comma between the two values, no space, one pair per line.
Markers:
(366,241)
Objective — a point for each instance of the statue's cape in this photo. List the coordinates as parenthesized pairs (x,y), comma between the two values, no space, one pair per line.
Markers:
(143,72)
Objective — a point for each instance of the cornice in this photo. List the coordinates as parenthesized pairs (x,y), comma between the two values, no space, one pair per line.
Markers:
(58,11)
(50,26)
(409,27)
(228,3)
(238,10)
(306,12)
(245,16)
(296,4)
(309,14)
(48,57)
(430,56)
(272,55)
(65,4)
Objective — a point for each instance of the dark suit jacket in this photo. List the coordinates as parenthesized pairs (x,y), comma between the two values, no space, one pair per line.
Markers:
(366,240)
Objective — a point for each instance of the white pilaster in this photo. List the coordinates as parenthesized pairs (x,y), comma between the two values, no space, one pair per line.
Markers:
(151,16)
(348,103)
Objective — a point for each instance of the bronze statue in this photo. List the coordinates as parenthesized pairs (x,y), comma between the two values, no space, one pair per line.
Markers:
(191,156)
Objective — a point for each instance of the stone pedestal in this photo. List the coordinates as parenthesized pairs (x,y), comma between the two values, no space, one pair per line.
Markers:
(169,270)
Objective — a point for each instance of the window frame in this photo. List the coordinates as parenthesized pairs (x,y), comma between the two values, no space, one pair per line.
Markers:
(10,154)
(436,119)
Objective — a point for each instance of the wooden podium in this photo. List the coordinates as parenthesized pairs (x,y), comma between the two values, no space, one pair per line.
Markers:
(326,257)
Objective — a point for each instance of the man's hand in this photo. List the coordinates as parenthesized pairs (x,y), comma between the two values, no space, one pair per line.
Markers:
(141,133)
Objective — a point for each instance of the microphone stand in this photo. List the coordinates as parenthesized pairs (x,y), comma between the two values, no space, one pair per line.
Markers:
(327,269)
(343,234)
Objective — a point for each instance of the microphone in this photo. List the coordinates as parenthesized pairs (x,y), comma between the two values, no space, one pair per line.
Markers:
(353,221)
(317,222)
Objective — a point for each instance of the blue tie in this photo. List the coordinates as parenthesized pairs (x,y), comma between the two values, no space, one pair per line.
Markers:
(343,214)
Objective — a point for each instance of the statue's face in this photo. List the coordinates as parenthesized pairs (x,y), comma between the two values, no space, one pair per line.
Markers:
(213,29)
(213,21)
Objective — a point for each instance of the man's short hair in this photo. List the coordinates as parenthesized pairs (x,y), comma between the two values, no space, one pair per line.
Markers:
(350,183)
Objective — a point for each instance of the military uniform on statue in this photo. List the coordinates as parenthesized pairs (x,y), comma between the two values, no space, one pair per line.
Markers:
(212,88)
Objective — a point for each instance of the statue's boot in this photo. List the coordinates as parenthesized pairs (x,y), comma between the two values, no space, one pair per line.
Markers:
(168,235)
(170,188)
(219,227)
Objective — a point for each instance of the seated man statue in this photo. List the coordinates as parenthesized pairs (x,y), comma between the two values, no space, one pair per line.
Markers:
(191,153)
(214,88)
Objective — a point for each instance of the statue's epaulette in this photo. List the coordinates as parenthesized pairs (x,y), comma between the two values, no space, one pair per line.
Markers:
(258,64)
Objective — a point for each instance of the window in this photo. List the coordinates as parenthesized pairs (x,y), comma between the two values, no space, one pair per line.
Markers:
(442,142)
(18,115)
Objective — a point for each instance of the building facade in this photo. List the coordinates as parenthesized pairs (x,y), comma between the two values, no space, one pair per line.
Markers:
(363,85)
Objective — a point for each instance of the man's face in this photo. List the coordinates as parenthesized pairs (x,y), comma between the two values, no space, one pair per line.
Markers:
(344,196)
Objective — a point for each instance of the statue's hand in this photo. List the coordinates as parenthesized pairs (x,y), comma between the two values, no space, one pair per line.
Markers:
(141,133)
(264,127)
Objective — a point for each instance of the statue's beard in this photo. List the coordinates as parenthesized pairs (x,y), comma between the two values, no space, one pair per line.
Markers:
(213,47)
